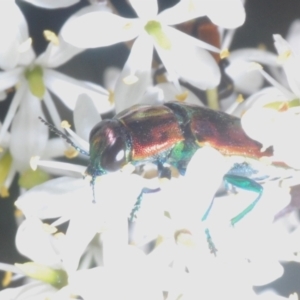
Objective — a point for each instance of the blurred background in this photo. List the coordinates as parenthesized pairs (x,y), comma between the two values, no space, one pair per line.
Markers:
(264,18)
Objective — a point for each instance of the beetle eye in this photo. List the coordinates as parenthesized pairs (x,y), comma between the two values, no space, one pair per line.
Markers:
(113,157)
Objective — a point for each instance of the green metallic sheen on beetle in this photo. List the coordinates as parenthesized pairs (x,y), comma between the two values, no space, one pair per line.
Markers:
(169,133)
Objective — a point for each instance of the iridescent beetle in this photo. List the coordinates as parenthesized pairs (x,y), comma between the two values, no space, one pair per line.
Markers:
(170,134)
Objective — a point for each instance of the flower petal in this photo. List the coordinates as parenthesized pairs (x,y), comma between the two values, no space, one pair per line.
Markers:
(28,135)
(188,61)
(68,89)
(254,55)
(57,55)
(55,198)
(291,64)
(41,247)
(145,9)
(110,77)
(9,78)
(13,108)
(85,116)
(99,29)
(293,36)
(13,32)
(202,158)
(139,67)
(132,277)
(227,14)
(183,11)
(55,148)
(258,124)
(33,291)
(52,4)
(81,230)
(245,80)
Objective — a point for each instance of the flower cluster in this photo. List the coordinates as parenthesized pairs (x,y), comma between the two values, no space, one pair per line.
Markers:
(183,208)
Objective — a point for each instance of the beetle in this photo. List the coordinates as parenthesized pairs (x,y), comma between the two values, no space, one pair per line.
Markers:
(169,135)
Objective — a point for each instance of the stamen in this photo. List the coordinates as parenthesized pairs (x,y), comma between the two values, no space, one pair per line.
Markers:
(212,98)
(284,56)
(51,37)
(59,235)
(240,99)
(224,53)
(6,279)
(65,124)
(182,97)
(128,26)
(111,97)
(63,166)
(4,192)
(49,229)
(71,153)
(228,38)
(130,79)
(64,136)
(9,268)
(18,213)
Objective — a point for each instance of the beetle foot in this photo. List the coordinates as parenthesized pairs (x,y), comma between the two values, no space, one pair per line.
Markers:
(133,214)
(138,203)
(211,245)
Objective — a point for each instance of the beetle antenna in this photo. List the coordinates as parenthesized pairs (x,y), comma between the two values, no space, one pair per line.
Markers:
(93,187)
(64,136)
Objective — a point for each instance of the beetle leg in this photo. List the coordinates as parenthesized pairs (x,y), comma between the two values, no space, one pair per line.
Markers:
(137,204)
(245,184)
(163,172)
(210,242)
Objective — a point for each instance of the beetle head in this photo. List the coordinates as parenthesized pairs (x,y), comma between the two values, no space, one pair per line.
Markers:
(110,148)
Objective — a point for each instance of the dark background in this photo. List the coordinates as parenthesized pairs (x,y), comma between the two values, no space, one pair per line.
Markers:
(264,18)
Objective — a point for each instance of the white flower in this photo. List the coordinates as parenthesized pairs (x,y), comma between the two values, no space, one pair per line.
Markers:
(34,79)
(186,202)
(272,115)
(44,276)
(181,54)
(13,35)
(124,96)
(61,194)
(246,80)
